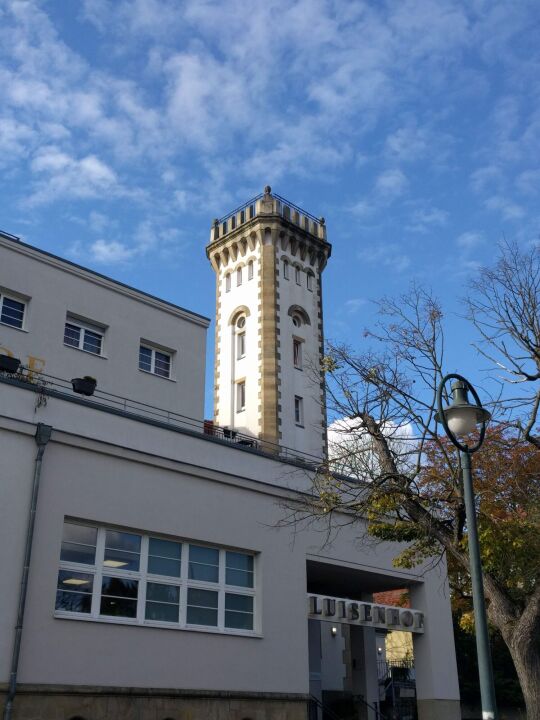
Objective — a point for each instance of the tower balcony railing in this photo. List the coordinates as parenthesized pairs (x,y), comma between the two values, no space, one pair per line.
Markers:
(280,206)
(45,386)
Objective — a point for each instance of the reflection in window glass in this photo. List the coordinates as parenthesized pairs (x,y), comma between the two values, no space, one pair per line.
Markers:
(78,544)
(239,611)
(162,602)
(239,569)
(164,557)
(203,563)
(119,596)
(122,550)
(202,607)
(74,592)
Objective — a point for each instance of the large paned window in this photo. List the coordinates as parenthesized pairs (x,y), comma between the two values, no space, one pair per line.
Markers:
(83,337)
(12,311)
(154,361)
(119,576)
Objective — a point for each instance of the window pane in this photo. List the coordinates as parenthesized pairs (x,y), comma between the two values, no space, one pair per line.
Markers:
(163,566)
(162,364)
(73,602)
(203,563)
(123,541)
(202,607)
(12,312)
(145,359)
(92,342)
(202,598)
(163,593)
(121,559)
(201,616)
(117,594)
(75,581)
(165,548)
(238,620)
(242,603)
(239,577)
(159,611)
(72,335)
(239,561)
(79,533)
(79,544)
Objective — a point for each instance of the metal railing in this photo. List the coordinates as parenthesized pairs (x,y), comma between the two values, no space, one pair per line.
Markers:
(331,715)
(46,385)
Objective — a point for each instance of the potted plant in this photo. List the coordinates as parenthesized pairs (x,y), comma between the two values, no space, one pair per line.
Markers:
(85,385)
(9,364)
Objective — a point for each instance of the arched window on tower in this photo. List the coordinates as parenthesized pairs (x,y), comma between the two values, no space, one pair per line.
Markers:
(241,337)
(239,276)
(310,281)
(285,268)
(297,272)
(250,270)
(227,282)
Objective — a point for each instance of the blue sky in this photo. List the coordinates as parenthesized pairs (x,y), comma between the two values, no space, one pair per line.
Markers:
(412,126)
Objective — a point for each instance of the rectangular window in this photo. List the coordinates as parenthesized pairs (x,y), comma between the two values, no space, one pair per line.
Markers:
(297,275)
(239,276)
(286,269)
(240,396)
(297,353)
(241,345)
(155,361)
(83,337)
(227,282)
(12,311)
(250,270)
(310,282)
(130,577)
(298,410)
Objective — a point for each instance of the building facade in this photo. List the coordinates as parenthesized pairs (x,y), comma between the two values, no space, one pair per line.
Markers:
(160,579)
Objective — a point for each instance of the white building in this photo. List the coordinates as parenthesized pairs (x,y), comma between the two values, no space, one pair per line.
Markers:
(161,581)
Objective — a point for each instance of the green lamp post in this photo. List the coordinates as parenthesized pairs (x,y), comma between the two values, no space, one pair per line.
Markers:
(459,419)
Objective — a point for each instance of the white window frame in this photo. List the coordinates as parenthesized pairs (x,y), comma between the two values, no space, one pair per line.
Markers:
(239,276)
(299,403)
(227,282)
(84,327)
(240,396)
(241,345)
(250,270)
(18,299)
(143,577)
(154,349)
(298,358)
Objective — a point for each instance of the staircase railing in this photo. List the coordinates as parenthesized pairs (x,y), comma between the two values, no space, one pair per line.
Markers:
(332,715)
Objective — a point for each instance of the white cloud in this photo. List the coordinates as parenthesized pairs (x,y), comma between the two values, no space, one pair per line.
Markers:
(425,219)
(353,305)
(110,252)
(470,240)
(391,183)
(508,209)
(387,255)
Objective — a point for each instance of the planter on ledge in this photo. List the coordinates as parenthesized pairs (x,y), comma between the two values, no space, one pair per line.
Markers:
(85,385)
(9,364)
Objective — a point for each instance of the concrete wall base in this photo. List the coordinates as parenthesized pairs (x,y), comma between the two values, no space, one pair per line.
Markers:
(439,709)
(65,703)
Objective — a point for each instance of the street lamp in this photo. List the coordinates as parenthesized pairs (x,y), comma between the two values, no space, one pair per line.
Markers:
(459,419)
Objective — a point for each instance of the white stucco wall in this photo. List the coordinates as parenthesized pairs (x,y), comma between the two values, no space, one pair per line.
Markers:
(53,288)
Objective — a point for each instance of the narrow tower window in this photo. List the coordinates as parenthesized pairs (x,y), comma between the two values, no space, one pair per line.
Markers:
(227,282)
(239,276)
(286,269)
(240,396)
(297,353)
(250,270)
(310,281)
(297,274)
(241,345)
(299,411)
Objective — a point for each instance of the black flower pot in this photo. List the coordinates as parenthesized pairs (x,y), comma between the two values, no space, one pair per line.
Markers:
(9,364)
(84,385)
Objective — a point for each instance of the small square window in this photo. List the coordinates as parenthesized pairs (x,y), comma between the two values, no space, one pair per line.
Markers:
(299,410)
(82,337)
(154,361)
(12,311)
